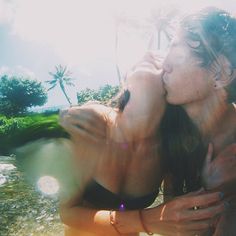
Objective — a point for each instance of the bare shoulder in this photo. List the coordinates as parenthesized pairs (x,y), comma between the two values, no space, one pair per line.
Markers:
(93,110)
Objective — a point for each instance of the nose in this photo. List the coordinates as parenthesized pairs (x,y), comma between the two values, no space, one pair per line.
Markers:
(167,66)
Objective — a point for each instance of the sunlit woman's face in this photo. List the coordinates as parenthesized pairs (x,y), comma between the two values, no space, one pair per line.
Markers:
(185,81)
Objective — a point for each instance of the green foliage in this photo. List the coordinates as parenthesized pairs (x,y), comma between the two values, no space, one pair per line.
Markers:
(15,132)
(86,95)
(17,94)
(103,94)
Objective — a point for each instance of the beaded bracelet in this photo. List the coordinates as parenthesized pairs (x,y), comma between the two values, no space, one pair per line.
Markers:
(142,222)
(113,222)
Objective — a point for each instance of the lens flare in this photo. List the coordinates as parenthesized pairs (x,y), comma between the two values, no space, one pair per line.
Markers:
(48,185)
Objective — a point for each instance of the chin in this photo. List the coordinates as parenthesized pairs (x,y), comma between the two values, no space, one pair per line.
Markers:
(173,101)
(169,99)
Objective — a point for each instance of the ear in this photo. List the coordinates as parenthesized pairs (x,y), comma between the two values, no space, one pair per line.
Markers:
(223,72)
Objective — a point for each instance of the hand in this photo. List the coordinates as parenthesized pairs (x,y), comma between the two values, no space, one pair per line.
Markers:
(84,122)
(178,217)
(220,172)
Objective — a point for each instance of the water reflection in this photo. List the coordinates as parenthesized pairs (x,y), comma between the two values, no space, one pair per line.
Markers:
(25,210)
(3,179)
(6,167)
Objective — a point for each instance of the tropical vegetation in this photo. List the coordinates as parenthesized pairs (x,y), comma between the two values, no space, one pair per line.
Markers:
(18,130)
(17,94)
(104,94)
(62,78)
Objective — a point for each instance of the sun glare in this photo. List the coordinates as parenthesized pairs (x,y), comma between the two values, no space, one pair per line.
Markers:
(84,34)
(78,31)
(81,31)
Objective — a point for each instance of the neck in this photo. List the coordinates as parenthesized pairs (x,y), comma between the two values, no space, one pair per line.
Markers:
(119,131)
(209,113)
(128,127)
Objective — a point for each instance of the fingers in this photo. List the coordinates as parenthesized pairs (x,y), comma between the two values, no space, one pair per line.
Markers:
(200,191)
(77,126)
(205,213)
(203,199)
(204,232)
(78,131)
(83,122)
(189,228)
(201,227)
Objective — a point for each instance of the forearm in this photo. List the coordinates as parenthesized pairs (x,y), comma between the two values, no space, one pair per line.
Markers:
(98,221)
(165,219)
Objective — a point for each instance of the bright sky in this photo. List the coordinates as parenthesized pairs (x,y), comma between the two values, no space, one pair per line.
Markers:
(36,35)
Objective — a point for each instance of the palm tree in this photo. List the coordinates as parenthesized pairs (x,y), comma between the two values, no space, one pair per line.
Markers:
(119,19)
(125,24)
(116,52)
(164,21)
(62,77)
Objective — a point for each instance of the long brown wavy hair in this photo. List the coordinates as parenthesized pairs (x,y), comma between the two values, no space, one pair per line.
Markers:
(183,149)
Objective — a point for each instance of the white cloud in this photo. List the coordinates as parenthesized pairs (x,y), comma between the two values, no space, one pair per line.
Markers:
(17,71)
(81,30)
(6,11)
(77,30)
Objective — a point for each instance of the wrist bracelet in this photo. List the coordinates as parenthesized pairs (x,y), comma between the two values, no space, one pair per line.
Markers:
(142,222)
(113,222)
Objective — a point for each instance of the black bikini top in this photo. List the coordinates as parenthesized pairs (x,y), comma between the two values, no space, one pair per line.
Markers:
(101,197)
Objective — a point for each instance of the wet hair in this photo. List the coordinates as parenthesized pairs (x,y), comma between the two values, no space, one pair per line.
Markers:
(215,30)
(121,100)
(183,149)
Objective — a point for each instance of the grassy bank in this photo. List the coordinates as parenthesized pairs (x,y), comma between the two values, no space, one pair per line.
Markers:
(17,131)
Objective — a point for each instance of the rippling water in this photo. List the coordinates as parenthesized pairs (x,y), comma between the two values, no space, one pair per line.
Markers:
(24,210)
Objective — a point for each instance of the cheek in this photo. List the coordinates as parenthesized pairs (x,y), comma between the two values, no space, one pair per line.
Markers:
(188,87)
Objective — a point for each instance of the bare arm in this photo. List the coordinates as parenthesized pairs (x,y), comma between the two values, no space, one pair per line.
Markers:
(219,173)
(98,221)
(167,219)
